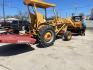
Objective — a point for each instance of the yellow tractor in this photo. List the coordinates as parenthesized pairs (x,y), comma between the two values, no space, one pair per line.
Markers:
(75,25)
(43,29)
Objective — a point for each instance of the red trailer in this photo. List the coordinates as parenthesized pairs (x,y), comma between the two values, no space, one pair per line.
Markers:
(15,38)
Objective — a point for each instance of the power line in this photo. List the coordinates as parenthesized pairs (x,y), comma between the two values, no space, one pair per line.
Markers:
(77,7)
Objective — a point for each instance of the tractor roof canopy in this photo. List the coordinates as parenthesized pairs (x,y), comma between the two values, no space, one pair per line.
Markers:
(39,4)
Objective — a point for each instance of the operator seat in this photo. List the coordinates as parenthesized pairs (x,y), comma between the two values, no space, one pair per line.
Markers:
(40,18)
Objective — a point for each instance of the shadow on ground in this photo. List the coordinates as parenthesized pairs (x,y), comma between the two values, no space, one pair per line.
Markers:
(14,49)
(40,46)
(76,34)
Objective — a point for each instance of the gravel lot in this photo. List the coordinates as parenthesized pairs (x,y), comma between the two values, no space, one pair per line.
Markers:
(76,54)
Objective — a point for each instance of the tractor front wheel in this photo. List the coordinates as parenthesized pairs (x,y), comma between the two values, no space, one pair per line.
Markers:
(46,36)
(67,36)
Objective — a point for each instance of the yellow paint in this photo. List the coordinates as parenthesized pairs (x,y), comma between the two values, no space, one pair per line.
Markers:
(47,36)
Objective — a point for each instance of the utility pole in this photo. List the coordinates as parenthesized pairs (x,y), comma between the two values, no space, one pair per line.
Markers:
(66,14)
(3,7)
(9,3)
(75,8)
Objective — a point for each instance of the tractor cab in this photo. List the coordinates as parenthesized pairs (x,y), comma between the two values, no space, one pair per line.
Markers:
(77,18)
(37,18)
(78,21)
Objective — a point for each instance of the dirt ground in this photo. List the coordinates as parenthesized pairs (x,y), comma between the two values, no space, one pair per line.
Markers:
(76,54)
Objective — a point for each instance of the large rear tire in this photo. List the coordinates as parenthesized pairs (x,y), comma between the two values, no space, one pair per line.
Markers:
(46,36)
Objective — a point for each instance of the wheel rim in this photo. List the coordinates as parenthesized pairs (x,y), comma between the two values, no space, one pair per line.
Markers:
(48,36)
(69,36)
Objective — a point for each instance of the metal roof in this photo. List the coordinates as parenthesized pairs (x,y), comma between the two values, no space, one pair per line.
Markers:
(39,4)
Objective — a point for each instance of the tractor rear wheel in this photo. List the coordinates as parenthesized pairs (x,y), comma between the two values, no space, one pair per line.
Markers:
(46,36)
(67,36)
